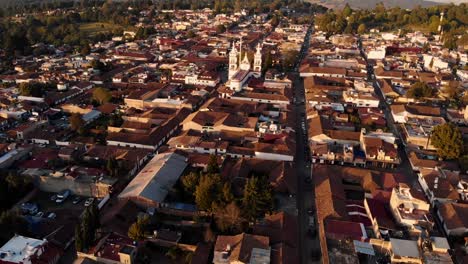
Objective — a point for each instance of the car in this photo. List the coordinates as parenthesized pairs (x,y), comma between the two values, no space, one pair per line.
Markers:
(29,208)
(52,215)
(53,197)
(62,196)
(76,200)
(39,214)
(89,202)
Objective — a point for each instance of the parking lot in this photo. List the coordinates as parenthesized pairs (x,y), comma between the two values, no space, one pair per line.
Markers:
(67,210)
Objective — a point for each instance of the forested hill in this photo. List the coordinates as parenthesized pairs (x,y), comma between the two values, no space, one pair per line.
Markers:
(365,4)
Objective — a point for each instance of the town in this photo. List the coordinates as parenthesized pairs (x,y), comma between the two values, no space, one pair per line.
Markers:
(231,132)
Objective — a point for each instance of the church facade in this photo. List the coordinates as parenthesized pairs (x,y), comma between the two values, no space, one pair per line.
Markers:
(240,68)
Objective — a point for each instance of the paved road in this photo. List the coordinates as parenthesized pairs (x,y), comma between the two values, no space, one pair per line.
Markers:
(405,165)
(305,197)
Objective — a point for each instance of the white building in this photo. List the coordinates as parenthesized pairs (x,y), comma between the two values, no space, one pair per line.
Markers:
(239,74)
(23,250)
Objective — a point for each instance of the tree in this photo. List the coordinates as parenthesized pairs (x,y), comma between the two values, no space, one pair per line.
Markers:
(31,89)
(98,65)
(226,194)
(347,11)
(229,218)
(191,34)
(362,29)
(451,90)
(85,50)
(450,41)
(220,29)
(115,119)
(112,166)
(79,245)
(212,166)
(94,216)
(137,230)
(101,95)
(257,199)
(420,90)
(190,182)
(11,223)
(174,252)
(289,58)
(76,122)
(447,138)
(206,193)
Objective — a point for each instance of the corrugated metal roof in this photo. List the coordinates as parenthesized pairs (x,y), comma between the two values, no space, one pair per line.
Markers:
(156,179)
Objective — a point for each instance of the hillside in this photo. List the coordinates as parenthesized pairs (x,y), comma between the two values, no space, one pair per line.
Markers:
(388,3)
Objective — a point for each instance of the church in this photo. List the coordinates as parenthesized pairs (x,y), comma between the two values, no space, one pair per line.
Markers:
(239,73)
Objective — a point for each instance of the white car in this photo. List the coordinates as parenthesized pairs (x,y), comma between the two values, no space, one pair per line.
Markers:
(51,215)
(89,202)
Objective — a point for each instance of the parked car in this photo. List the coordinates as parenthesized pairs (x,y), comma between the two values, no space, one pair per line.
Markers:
(76,200)
(311,221)
(61,197)
(53,197)
(29,208)
(39,214)
(89,202)
(51,215)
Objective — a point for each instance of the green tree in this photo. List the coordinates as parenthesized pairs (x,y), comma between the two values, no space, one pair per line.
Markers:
(174,252)
(137,230)
(11,223)
(101,95)
(289,58)
(191,34)
(420,90)
(190,182)
(450,41)
(229,218)
(98,65)
(451,90)
(76,122)
(220,29)
(257,199)
(206,193)
(31,89)
(362,29)
(94,216)
(112,167)
(85,50)
(79,245)
(447,138)
(212,166)
(226,194)
(347,11)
